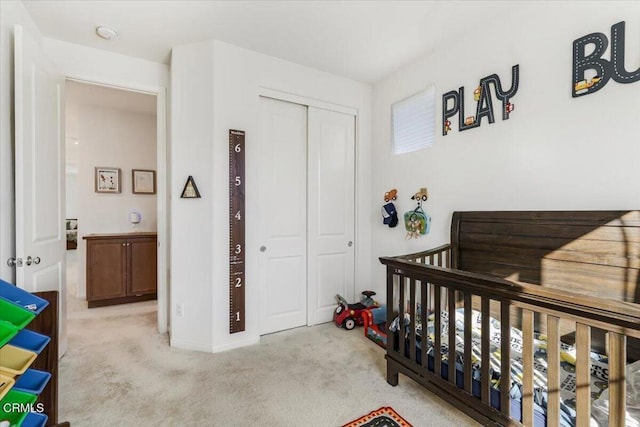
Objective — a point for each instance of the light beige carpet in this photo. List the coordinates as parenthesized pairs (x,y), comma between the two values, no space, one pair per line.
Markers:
(119,372)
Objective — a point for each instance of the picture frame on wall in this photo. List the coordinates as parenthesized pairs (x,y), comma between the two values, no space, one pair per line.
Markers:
(107,180)
(144,181)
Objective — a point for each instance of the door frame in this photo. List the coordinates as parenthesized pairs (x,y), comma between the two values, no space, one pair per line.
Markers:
(162,180)
(278,95)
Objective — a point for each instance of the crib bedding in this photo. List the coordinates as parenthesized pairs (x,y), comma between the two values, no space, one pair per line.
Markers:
(599,365)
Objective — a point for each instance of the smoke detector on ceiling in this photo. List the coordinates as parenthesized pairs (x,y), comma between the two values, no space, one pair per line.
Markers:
(106,33)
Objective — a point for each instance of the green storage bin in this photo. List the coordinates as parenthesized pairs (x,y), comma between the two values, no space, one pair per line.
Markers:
(16,417)
(16,315)
(7,332)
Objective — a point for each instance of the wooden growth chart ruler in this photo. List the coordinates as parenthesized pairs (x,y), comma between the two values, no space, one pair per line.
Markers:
(236,232)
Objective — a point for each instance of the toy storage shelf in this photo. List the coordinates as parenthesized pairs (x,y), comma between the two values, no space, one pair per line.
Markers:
(29,356)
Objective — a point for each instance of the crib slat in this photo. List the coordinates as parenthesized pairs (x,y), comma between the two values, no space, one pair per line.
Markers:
(467,343)
(432,297)
(527,367)
(390,293)
(505,358)
(553,373)
(485,380)
(424,290)
(451,297)
(392,375)
(617,380)
(401,304)
(437,343)
(583,375)
(412,317)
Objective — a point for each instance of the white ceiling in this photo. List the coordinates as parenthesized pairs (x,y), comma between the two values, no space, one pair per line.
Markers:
(362,40)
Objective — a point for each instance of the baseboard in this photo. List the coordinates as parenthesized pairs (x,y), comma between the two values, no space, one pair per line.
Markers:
(236,344)
(122,300)
(189,345)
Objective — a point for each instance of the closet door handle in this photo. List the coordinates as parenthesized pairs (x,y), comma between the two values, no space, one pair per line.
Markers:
(350,243)
(263,248)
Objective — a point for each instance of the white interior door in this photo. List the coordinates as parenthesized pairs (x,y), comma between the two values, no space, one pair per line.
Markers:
(39,174)
(331,211)
(282,188)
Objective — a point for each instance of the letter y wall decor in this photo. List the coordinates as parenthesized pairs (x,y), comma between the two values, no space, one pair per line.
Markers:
(453,102)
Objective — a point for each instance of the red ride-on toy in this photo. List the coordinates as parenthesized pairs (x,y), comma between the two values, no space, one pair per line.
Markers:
(349,315)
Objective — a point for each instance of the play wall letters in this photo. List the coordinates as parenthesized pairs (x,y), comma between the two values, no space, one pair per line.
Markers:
(453,102)
(604,69)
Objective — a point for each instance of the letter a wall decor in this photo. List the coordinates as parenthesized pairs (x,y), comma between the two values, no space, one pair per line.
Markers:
(604,69)
(453,102)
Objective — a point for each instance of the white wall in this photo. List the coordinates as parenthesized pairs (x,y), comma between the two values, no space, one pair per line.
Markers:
(71,193)
(11,13)
(226,97)
(555,151)
(192,223)
(112,138)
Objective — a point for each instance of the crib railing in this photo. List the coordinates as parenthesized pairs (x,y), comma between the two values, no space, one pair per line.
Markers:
(440,256)
(421,283)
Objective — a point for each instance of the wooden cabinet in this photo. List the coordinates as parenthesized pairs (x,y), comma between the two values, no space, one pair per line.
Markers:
(121,268)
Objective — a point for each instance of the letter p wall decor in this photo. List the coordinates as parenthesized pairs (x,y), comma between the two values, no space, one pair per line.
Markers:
(601,69)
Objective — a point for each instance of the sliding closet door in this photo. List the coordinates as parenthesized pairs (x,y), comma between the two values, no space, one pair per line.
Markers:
(330,211)
(282,214)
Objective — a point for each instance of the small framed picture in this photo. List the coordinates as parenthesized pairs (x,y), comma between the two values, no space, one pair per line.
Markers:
(107,180)
(144,181)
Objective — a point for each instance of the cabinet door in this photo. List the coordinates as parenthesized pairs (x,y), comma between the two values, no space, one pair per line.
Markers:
(142,266)
(106,269)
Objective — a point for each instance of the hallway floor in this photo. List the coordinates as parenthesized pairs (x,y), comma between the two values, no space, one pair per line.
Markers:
(77,307)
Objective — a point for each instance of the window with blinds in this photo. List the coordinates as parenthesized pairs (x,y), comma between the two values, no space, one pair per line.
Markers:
(413,121)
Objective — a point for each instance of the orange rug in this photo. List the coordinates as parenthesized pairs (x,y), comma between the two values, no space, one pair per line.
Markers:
(384,416)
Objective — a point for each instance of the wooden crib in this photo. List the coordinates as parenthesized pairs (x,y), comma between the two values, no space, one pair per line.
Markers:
(571,275)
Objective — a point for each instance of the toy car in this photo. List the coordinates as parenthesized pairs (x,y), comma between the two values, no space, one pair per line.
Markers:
(509,107)
(447,125)
(583,84)
(375,325)
(349,315)
(391,195)
(423,195)
(477,93)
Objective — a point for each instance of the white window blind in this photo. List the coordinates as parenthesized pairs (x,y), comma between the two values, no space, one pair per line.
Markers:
(413,121)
